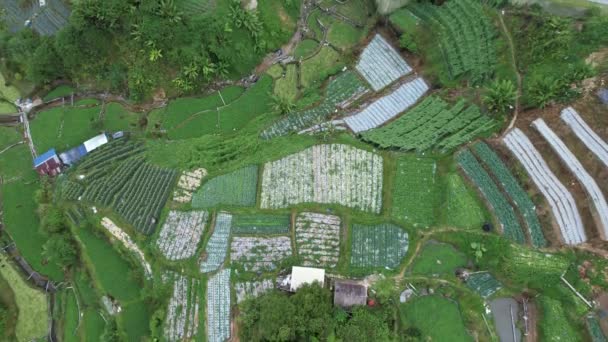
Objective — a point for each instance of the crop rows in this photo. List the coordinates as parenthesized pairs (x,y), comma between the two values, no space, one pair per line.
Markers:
(533,260)
(555,322)
(380,64)
(432,124)
(593,142)
(466,37)
(217,246)
(259,253)
(574,165)
(559,198)
(218,307)
(135,190)
(187,184)
(182,312)
(318,239)
(252,289)
(388,106)
(237,188)
(502,208)
(71,191)
(383,245)
(262,224)
(341,91)
(46,20)
(181,233)
(483,283)
(114,151)
(329,174)
(513,189)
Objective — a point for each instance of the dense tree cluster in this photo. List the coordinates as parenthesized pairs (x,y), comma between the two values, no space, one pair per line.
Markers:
(136,46)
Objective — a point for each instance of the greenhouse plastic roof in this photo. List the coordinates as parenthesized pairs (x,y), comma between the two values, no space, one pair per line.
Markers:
(380,64)
(95,142)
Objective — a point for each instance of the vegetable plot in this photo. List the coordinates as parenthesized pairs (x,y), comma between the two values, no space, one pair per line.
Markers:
(466,37)
(217,246)
(388,106)
(513,189)
(593,142)
(262,224)
(433,124)
(237,188)
(557,195)
(252,289)
(181,233)
(218,307)
(318,239)
(187,184)
(380,64)
(341,91)
(181,322)
(383,245)
(574,165)
(555,325)
(329,174)
(500,206)
(483,283)
(260,254)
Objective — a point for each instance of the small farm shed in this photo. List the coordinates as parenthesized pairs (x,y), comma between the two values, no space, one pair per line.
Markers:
(95,142)
(348,293)
(48,163)
(70,157)
(306,275)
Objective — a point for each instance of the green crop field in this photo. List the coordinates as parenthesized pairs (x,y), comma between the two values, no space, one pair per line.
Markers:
(555,324)
(237,188)
(463,209)
(61,91)
(135,320)
(71,318)
(305,48)
(117,118)
(465,36)
(483,283)
(433,124)
(417,191)
(102,257)
(438,318)
(381,246)
(438,259)
(317,68)
(9,136)
(32,322)
(263,224)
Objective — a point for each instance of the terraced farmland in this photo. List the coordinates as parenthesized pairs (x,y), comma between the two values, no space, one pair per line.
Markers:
(181,233)
(318,239)
(433,124)
(383,246)
(237,188)
(557,195)
(330,174)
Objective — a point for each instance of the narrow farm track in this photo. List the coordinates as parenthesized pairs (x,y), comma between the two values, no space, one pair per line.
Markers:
(517,73)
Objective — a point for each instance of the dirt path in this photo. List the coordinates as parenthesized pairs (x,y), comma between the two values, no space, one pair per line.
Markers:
(28,135)
(11,146)
(514,65)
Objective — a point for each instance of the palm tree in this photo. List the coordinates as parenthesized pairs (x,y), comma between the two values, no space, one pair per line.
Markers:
(500,96)
(191,71)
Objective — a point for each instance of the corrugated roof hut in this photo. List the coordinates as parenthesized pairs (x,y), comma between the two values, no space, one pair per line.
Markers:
(349,293)
(48,163)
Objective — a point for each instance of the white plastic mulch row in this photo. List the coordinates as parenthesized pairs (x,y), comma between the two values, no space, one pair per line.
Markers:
(259,253)
(575,166)
(318,239)
(218,307)
(593,142)
(181,233)
(182,313)
(329,174)
(380,64)
(252,289)
(559,198)
(126,241)
(217,246)
(388,106)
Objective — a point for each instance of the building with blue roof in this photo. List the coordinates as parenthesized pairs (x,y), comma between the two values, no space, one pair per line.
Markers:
(48,163)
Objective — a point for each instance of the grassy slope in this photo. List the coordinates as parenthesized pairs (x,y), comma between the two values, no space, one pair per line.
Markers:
(437,318)
(8,136)
(32,320)
(118,118)
(438,259)
(316,69)
(287,87)
(61,91)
